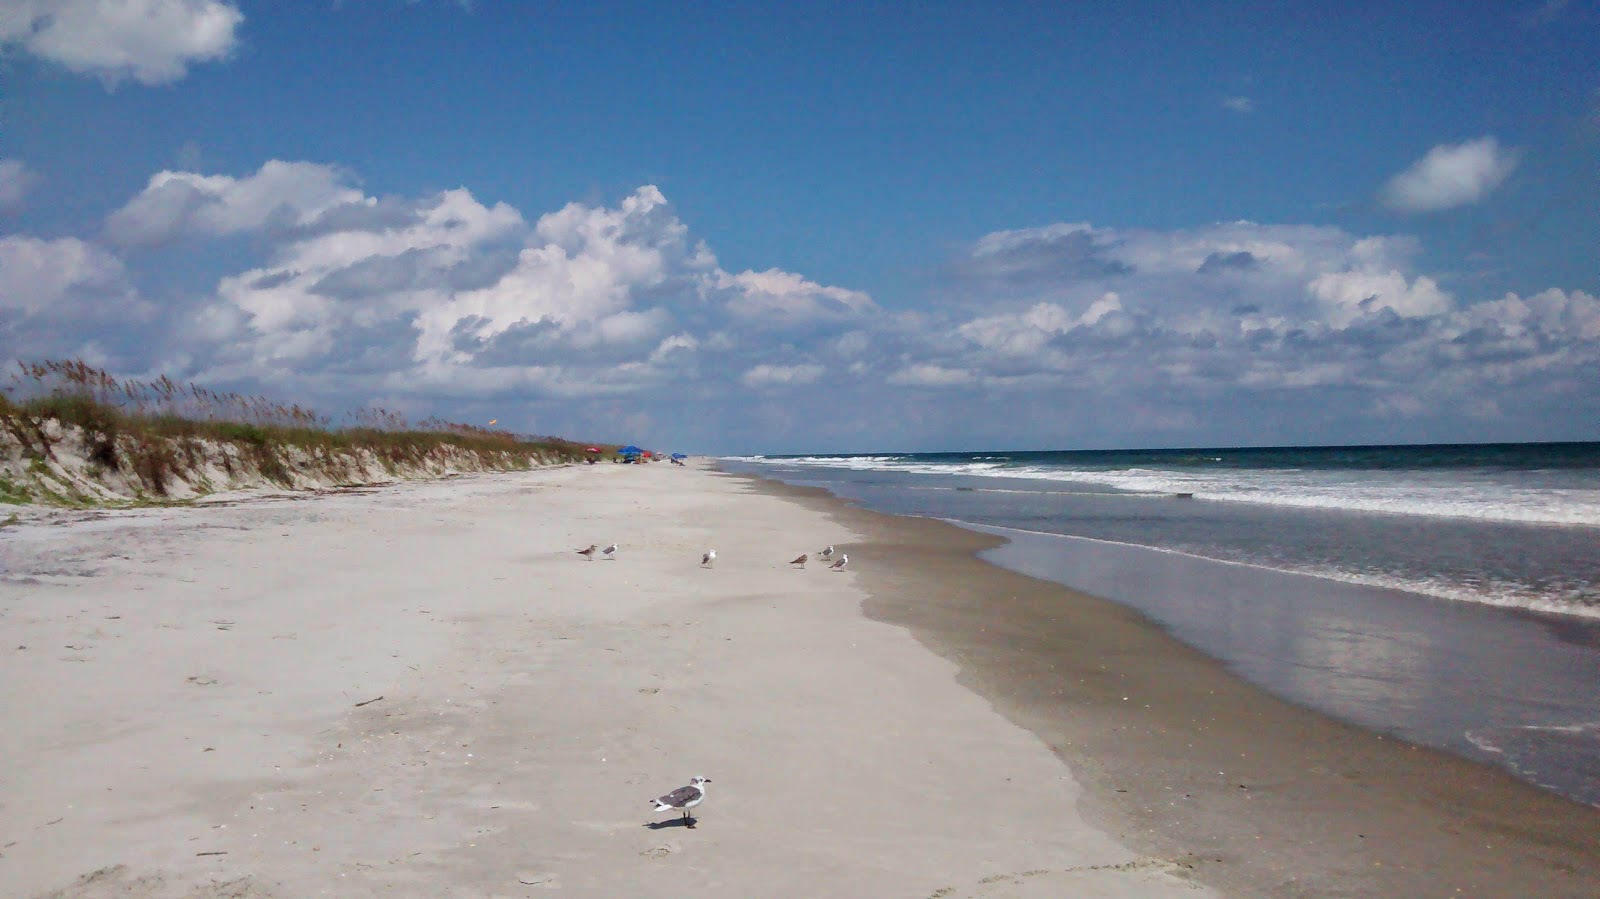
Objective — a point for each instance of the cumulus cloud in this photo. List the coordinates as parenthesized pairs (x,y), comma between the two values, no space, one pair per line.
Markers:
(15,180)
(446,293)
(1241,307)
(43,274)
(602,309)
(150,41)
(282,195)
(63,297)
(1451,175)
(780,295)
(1239,104)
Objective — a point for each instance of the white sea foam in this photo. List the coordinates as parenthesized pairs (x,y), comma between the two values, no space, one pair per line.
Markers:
(1497,595)
(1529,497)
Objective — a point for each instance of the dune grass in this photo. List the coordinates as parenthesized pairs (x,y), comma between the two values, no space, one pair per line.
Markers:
(152,431)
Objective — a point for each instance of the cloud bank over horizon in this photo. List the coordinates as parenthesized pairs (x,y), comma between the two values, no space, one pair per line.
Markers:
(616,320)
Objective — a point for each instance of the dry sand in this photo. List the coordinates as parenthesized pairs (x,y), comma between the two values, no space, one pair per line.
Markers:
(421,690)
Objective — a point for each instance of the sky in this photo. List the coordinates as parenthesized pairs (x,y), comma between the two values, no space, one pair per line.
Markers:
(816,228)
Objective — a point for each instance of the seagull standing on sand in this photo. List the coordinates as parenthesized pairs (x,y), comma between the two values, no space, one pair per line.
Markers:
(588,553)
(827,553)
(844,559)
(610,552)
(800,561)
(684,798)
(709,560)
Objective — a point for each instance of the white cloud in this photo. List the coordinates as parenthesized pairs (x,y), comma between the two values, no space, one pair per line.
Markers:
(782,375)
(45,275)
(852,343)
(281,194)
(923,374)
(15,180)
(446,293)
(1238,310)
(775,294)
(445,298)
(66,298)
(1239,104)
(1451,175)
(150,41)
(1347,295)
(1029,333)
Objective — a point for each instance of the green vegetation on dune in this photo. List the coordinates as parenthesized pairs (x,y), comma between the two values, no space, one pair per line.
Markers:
(66,421)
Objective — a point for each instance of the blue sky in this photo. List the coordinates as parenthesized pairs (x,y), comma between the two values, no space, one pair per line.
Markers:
(846,227)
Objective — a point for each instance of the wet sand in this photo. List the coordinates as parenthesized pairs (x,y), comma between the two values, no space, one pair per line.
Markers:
(1184,761)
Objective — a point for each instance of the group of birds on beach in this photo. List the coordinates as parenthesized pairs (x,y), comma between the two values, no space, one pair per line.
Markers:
(687,797)
(709,558)
(825,555)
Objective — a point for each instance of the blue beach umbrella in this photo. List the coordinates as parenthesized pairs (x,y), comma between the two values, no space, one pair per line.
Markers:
(679,456)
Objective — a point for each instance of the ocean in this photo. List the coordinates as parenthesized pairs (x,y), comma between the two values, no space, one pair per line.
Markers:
(1448,595)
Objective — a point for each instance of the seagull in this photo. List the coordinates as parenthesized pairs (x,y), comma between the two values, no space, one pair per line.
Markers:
(588,553)
(844,559)
(684,798)
(709,560)
(800,561)
(826,553)
(609,552)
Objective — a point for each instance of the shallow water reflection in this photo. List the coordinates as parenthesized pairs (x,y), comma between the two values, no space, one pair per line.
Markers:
(1512,688)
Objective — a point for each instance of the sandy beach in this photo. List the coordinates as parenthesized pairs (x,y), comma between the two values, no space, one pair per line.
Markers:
(1182,760)
(421,690)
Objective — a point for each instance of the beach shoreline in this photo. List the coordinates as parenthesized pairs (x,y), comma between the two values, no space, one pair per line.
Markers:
(1181,759)
(422,690)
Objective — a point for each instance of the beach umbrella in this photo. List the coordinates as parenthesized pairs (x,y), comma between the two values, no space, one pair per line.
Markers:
(593,449)
(679,456)
(629,450)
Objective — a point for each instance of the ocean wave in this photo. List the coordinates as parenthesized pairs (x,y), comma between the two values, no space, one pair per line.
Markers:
(1518,497)
(1576,602)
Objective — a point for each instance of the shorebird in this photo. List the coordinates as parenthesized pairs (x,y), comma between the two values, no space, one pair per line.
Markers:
(844,559)
(610,552)
(709,560)
(826,553)
(684,798)
(800,561)
(588,553)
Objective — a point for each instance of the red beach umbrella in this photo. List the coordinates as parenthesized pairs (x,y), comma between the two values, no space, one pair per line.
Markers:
(594,449)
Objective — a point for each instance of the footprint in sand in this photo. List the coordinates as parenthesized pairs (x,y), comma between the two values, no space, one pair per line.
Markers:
(662,851)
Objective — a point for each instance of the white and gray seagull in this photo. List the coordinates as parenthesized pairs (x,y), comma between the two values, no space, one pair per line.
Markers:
(610,552)
(826,553)
(684,798)
(709,560)
(844,559)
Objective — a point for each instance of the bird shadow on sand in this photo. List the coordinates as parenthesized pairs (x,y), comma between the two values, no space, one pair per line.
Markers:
(686,823)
